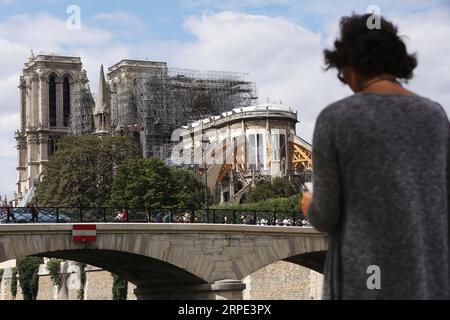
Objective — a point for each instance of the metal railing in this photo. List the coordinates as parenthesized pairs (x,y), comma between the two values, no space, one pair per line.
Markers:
(147,215)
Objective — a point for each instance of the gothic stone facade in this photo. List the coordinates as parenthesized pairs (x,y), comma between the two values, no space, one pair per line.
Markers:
(46,91)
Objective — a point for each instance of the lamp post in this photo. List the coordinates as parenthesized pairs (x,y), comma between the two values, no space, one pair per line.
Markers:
(204,145)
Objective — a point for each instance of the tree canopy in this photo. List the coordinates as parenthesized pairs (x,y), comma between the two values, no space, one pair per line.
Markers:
(81,171)
(150,183)
(290,204)
(277,188)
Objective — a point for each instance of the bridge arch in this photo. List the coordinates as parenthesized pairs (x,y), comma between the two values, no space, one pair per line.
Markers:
(181,258)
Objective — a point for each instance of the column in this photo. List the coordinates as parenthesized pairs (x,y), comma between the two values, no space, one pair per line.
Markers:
(35,101)
(59,104)
(21,146)
(28,102)
(43,151)
(23,103)
(72,96)
(43,102)
(33,157)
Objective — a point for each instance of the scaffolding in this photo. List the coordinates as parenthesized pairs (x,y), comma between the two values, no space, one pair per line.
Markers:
(80,120)
(166,99)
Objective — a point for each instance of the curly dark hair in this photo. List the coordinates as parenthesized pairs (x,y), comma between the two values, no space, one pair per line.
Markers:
(372,52)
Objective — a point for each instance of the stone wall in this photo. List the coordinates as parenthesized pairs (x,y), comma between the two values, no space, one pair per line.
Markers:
(98,284)
(278,281)
(283,281)
(5,287)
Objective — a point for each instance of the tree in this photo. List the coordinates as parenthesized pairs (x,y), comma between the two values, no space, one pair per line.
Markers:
(277,188)
(189,190)
(80,173)
(120,288)
(54,269)
(14,283)
(274,204)
(142,183)
(28,269)
(150,183)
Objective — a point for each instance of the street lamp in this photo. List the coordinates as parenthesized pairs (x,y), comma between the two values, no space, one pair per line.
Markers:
(204,146)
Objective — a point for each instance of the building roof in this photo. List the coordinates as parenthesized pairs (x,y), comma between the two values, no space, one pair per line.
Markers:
(256,110)
(52,58)
(136,63)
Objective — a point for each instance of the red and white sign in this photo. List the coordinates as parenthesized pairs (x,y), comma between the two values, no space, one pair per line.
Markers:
(84,232)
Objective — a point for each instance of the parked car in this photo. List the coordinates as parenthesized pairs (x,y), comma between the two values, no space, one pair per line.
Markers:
(22,215)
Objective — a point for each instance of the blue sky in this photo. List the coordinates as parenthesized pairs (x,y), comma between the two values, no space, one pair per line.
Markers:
(279,42)
(163,20)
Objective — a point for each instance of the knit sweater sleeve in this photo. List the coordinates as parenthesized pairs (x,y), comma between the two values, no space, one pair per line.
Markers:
(324,209)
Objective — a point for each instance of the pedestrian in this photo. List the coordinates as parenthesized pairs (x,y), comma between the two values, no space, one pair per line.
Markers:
(388,225)
(186,217)
(192,216)
(9,213)
(34,213)
(118,216)
(167,217)
(124,216)
(159,216)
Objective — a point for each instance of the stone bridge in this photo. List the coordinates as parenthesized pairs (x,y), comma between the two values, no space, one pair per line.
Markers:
(172,261)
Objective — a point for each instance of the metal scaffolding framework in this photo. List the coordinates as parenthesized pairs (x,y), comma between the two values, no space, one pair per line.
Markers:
(80,120)
(151,104)
(167,99)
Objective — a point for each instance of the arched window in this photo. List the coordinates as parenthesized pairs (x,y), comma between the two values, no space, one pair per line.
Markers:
(52,101)
(66,101)
(52,145)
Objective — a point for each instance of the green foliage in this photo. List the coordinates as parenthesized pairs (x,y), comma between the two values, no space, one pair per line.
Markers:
(82,267)
(290,204)
(120,288)
(150,183)
(277,188)
(14,283)
(142,183)
(189,190)
(54,268)
(80,172)
(28,268)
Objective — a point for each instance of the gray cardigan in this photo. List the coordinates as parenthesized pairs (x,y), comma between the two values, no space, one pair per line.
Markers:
(381,192)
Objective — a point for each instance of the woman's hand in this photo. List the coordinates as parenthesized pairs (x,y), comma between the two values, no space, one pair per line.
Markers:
(306,199)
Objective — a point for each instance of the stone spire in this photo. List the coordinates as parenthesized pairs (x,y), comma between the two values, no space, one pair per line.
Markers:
(101,103)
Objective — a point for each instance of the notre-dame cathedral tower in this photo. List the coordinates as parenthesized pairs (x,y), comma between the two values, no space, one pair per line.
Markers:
(46,93)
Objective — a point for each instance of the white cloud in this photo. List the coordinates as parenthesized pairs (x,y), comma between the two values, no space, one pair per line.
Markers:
(8,158)
(47,32)
(9,122)
(8,167)
(428,35)
(42,32)
(284,59)
(121,20)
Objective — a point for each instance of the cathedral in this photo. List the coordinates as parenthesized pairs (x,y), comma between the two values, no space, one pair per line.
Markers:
(147,101)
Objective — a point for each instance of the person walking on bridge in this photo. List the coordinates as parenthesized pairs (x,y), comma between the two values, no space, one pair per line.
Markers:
(381,174)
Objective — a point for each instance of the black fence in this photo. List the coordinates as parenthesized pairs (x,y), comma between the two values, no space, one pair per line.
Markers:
(145,215)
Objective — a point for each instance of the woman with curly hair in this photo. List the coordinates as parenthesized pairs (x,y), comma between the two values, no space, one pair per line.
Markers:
(381,174)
